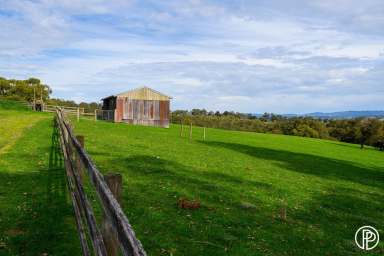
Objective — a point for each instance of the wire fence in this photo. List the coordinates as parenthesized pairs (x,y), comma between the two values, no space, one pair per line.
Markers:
(107,115)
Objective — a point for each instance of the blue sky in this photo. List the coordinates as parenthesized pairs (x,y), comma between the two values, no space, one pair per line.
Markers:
(247,56)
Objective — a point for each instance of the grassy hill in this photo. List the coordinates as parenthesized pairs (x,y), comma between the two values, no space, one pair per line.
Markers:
(12,105)
(35,214)
(242,181)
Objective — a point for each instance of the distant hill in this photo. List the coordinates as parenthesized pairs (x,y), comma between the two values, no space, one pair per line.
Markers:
(346,114)
(338,115)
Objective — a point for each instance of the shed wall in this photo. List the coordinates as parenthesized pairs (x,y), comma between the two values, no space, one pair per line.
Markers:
(143,112)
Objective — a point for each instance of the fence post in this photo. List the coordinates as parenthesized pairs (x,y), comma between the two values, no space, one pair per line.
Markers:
(66,135)
(114,182)
(95,114)
(204,133)
(181,129)
(190,132)
(79,165)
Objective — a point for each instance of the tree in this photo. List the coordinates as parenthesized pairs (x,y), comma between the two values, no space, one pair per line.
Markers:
(265,117)
(367,129)
(24,89)
(197,112)
(377,138)
(360,131)
(33,80)
(4,87)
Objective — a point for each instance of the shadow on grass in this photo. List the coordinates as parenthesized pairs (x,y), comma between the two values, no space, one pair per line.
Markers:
(153,188)
(38,213)
(188,177)
(331,219)
(310,164)
(325,225)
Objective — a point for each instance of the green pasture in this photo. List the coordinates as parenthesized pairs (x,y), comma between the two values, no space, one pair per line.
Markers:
(242,181)
(35,211)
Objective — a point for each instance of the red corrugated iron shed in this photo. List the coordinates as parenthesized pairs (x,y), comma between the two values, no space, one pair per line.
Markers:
(143,106)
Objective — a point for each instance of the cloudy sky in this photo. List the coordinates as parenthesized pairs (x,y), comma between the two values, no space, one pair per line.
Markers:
(249,56)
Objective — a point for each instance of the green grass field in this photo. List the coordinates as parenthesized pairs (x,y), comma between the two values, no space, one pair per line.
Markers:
(241,179)
(35,212)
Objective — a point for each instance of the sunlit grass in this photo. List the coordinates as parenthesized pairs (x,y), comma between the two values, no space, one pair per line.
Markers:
(242,180)
(35,212)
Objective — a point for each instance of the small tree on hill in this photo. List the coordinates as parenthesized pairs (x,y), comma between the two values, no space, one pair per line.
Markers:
(368,129)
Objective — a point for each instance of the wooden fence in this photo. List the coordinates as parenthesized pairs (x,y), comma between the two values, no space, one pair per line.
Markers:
(70,110)
(98,114)
(76,160)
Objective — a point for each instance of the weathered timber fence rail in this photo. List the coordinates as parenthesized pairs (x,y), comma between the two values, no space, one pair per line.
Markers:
(97,114)
(70,110)
(88,229)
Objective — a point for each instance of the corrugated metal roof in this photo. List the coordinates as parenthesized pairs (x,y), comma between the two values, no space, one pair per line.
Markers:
(143,93)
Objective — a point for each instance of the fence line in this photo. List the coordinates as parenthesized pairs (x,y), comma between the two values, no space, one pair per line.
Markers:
(74,196)
(72,149)
(97,114)
(73,110)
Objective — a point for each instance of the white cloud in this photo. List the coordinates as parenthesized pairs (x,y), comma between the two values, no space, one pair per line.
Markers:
(234,98)
(271,56)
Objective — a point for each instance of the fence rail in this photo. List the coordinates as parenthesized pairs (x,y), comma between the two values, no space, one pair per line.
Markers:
(97,114)
(72,110)
(85,218)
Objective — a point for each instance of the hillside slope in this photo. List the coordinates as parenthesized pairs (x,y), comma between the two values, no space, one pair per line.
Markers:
(242,180)
(35,215)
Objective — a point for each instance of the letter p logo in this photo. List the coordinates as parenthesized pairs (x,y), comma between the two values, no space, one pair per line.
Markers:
(366,238)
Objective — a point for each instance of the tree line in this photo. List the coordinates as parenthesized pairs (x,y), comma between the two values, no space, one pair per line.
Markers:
(363,131)
(27,90)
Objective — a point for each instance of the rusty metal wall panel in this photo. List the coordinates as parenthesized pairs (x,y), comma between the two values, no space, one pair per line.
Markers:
(130,109)
(119,110)
(157,110)
(135,110)
(126,109)
(161,110)
(151,110)
(143,112)
(164,110)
